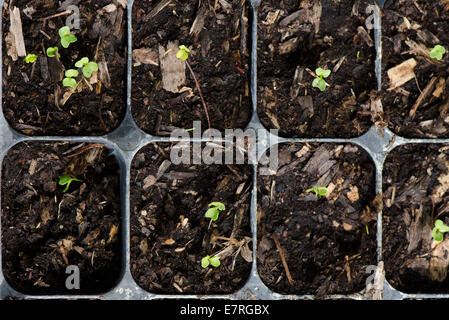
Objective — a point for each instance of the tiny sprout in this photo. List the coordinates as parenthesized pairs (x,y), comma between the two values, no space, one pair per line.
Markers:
(66,180)
(68,80)
(52,52)
(30,58)
(88,67)
(183,52)
(438,230)
(213,261)
(437,52)
(214,210)
(319,82)
(66,36)
(322,191)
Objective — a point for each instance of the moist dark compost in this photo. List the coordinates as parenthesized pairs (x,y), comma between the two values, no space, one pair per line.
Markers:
(35,102)
(294,39)
(317,245)
(45,230)
(164,92)
(415,85)
(170,233)
(415,195)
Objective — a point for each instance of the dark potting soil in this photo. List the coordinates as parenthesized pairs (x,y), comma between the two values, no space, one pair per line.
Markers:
(295,38)
(33,94)
(164,93)
(170,234)
(410,29)
(415,195)
(46,230)
(327,242)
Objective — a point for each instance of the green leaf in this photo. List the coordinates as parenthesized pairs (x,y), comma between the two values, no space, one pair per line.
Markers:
(30,58)
(326,73)
(322,191)
(64,179)
(67,180)
(316,82)
(437,235)
(215,261)
(319,71)
(444,229)
(68,39)
(71,73)
(220,206)
(183,52)
(439,223)
(184,48)
(52,51)
(69,82)
(182,55)
(82,62)
(63,31)
(319,83)
(89,69)
(212,213)
(437,52)
(205,262)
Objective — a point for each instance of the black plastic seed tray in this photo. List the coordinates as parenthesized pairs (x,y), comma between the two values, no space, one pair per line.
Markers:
(128,139)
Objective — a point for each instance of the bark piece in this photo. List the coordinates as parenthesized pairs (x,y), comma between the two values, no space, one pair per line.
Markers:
(402,73)
(16,31)
(146,56)
(173,69)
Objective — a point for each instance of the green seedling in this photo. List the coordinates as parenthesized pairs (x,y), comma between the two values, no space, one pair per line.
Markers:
(183,54)
(52,52)
(214,210)
(319,191)
(437,52)
(88,67)
(319,82)
(208,260)
(438,230)
(30,58)
(66,36)
(66,180)
(69,80)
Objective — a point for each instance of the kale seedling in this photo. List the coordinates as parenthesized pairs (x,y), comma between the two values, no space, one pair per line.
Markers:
(438,230)
(213,261)
(52,52)
(183,54)
(66,36)
(66,180)
(30,58)
(214,211)
(88,67)
(319,191)
(69,80)
(437,52)
(319,82)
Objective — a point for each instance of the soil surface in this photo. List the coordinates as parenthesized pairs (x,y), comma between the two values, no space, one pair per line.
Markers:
(34,100)
(294,39)
(170,234)
(164,93)
(45,230)
(415,195)
(420,106)
(327,242)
